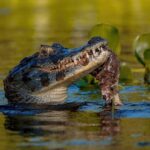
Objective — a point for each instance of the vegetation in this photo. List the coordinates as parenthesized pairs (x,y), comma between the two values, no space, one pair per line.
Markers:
(142,52)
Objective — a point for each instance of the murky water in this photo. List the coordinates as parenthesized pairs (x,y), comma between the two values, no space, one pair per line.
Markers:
(84,123)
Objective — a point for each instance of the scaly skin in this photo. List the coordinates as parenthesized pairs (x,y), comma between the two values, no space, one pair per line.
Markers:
(45,76)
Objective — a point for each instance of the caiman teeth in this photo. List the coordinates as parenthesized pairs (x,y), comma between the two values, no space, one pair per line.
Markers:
(53,67)
(94,53)
(99,48)
(69,60)
(79,59)
(87,55)
(90,52)
(75,61)
(59,66)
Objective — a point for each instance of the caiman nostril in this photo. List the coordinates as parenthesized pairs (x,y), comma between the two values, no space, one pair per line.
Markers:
(97,50)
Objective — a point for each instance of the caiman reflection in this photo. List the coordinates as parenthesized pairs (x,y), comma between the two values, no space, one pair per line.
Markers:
(71,125)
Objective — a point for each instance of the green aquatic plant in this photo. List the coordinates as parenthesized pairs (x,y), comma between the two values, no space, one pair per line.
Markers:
(87,82)
(126,74)
(141,46)
(147,65)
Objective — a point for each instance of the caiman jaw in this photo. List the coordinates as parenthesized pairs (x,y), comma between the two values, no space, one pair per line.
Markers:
(78,65)
(82,57)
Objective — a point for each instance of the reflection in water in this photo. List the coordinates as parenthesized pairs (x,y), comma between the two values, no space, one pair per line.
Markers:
(65,127)
(110,126)
(52,122)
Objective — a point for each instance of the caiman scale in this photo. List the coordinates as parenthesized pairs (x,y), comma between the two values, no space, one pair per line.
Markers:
(43,78)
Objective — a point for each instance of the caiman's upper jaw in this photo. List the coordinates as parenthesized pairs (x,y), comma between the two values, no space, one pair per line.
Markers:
(81,56)
(90,51)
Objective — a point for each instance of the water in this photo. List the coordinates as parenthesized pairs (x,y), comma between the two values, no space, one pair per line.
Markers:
(84,123)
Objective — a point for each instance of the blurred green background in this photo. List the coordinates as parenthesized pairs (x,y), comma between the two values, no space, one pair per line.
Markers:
(24,25)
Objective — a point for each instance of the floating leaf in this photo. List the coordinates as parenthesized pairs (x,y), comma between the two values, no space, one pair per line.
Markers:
(141,44)
(142,53)
(87,81)
(110,33)
(125,73)
(147,65)
(90,79)
(147,57)
(147,76)
(81,83)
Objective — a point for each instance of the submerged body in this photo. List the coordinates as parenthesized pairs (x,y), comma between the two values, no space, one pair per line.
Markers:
(45,76)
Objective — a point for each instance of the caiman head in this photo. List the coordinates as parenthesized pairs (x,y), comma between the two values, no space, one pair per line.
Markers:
(44,76)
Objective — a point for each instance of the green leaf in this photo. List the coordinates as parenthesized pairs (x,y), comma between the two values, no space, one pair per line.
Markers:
(147,57)
(140,45)
(90,79)
(110,33)
(147,75)
(87,82)
(125,73)
(81,83)
(147,65)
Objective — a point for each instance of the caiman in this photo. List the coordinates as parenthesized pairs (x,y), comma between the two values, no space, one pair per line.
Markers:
(43,77)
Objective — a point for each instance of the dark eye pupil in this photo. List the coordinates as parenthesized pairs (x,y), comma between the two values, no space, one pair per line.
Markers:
(97,50)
